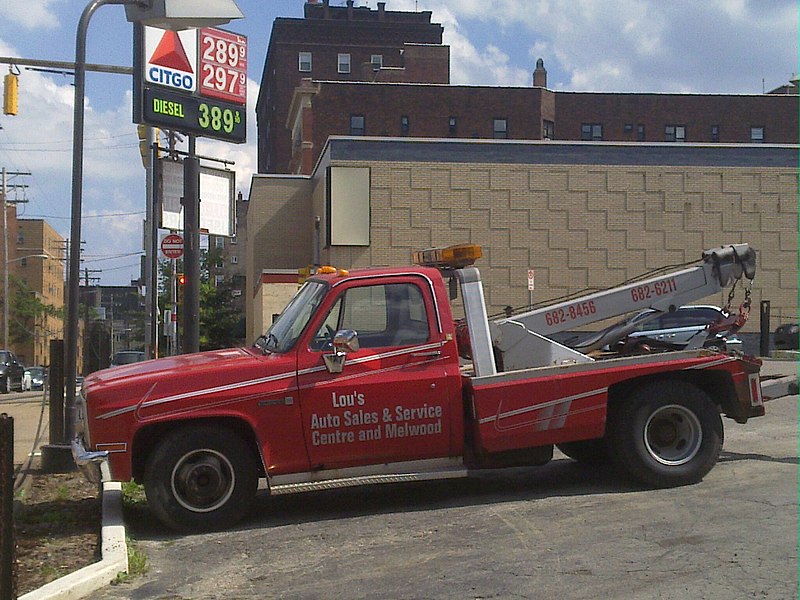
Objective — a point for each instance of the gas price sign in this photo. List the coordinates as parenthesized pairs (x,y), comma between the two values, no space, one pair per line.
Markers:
(223,65)
(192,81)
(198,116)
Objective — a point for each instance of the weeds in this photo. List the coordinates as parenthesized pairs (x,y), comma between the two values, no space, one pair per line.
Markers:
(137,565)
(133,495)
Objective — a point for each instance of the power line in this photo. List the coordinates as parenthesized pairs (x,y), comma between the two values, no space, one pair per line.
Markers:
(103,216)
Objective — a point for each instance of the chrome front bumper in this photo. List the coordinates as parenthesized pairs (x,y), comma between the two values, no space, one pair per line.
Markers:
(88,461)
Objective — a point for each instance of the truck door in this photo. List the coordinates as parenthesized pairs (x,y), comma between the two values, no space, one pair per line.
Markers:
(390,401)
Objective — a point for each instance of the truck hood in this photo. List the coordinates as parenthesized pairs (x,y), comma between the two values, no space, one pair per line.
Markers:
(185,383)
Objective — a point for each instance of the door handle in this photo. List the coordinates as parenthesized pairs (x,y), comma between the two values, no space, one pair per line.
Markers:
(426,354)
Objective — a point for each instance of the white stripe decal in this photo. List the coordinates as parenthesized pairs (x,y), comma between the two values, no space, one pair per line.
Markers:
(543,405)
(713,363)
(262,380)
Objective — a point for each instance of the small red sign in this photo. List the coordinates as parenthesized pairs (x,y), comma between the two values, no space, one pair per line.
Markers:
(172,246)
(223,65)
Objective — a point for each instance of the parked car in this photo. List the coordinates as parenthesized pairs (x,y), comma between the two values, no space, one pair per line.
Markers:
(786,337)
(674,330)
(127,357)
(38,377)
(11,372)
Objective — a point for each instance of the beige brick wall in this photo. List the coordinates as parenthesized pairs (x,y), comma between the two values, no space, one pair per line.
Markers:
(584,226)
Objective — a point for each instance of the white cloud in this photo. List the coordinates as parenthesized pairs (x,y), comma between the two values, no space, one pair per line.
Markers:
(723,46)
(31,14)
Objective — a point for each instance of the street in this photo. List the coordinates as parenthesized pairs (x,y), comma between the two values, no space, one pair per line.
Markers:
(562,531)
(31,417)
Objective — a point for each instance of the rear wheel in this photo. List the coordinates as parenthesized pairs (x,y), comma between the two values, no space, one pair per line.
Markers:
(666,433)
(201,478)
(6,385)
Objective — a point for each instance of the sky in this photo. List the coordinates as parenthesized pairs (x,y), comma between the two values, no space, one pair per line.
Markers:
(679,46)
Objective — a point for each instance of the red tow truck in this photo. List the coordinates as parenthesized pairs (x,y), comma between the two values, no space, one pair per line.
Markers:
(365,377)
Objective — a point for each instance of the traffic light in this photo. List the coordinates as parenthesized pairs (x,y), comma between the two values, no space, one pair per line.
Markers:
(144,148)
(181,278)
(10,94)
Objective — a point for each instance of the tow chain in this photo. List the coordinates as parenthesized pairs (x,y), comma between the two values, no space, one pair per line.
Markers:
(734,321)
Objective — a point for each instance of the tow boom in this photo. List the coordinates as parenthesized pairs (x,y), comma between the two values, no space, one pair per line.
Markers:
(520,337)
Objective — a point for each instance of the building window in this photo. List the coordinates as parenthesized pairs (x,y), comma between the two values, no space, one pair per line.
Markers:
(548,130)
(452,126)
(234,260)
(675,133)
(356,124)
(404,125)
(628,128)
(715,133)
(500,129)
(344,63)
(219,280)
(757,135)
(377,61)
(304,62)
(640,132)
(233,241)
(219,242)
(591,132)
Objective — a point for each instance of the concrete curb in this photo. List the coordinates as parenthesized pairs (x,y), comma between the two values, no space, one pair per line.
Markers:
(114,549)
(779,387)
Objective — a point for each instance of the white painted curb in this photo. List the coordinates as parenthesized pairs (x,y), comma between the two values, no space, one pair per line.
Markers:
(91,578)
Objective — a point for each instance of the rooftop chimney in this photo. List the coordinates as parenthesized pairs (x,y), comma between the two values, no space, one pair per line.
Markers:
(349,10)
(381,11)
(540,75)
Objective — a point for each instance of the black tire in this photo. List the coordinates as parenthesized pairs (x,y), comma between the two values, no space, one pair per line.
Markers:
(201,478)
(5,387)
(666,433)
(588,452)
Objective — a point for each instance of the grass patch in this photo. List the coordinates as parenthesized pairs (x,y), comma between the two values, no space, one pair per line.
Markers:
(133,495)
(137,565)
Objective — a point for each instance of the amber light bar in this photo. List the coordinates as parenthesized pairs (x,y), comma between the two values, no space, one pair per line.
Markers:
(451,257)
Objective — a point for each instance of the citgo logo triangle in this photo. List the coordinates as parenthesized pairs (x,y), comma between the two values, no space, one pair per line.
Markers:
(170,53)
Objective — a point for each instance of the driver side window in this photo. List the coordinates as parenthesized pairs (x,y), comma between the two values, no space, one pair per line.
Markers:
(382,315)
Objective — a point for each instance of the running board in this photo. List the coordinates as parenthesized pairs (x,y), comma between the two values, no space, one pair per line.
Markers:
(332,484)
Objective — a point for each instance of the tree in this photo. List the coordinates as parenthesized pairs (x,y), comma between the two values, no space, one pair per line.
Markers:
(26,311)
(218,319)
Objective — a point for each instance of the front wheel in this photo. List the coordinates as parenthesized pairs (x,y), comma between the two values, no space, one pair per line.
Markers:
(6,385)
(201,478)
(666,433)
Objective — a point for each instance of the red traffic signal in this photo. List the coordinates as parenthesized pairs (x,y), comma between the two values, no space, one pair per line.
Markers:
(181,278)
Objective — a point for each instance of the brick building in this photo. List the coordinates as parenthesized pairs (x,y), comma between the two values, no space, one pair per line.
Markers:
(344,43)
(328,108)
(44,278)
(583,215)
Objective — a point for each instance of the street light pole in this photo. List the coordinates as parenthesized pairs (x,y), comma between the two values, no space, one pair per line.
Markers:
(165,13)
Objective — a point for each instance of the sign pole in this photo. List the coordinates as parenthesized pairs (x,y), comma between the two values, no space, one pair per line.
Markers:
(191,258)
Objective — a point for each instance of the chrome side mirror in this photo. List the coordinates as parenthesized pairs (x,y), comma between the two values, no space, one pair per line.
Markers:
(344,342)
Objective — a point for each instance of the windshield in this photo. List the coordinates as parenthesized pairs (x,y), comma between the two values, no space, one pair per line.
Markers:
(285,330)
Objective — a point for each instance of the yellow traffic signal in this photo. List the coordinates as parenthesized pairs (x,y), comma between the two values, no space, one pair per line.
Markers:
(10,94)
(144,149)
